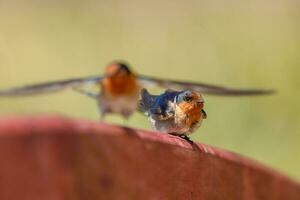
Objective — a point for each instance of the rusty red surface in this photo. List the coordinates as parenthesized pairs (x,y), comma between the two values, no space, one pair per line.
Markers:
(52,157)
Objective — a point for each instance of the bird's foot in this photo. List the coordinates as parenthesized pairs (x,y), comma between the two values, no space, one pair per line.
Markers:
(185,137)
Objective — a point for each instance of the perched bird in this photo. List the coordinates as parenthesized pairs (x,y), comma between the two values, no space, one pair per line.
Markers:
(120,88)
(174,112)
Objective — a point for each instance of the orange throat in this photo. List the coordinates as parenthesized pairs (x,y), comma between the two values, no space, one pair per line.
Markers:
(193,113)
(121,85)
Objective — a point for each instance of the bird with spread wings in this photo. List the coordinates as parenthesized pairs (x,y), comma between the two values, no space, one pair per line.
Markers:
(120,88)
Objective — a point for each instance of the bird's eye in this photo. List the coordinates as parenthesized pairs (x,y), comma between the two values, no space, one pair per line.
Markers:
(187,98)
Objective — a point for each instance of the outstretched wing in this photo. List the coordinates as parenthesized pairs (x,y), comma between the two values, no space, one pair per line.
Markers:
(201,87)
(49,86)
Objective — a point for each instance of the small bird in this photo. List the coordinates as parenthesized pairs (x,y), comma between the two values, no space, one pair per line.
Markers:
(178,113)
(120,88)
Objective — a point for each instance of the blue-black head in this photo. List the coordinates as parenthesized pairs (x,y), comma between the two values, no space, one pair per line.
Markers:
(189,96)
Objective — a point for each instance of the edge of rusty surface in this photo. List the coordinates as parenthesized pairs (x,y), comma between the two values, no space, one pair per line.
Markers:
(49,124)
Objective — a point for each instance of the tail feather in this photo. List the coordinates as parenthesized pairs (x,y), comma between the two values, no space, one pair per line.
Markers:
(146,101)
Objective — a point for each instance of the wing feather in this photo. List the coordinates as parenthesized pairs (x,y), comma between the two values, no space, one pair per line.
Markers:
(200,87)
(47,87)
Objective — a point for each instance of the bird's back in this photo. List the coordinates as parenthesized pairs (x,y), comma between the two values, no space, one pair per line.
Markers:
(156,104)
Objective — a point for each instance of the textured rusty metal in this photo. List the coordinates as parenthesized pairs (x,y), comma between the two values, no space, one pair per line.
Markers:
(52,157)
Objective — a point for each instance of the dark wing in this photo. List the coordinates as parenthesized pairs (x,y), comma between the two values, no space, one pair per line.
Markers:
(200,87)
(159,106)
(49,86)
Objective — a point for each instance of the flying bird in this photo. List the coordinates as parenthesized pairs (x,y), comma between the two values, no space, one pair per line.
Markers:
(178,113)
(120,88)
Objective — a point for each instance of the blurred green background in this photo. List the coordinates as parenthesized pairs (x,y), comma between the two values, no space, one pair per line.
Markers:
(244,44)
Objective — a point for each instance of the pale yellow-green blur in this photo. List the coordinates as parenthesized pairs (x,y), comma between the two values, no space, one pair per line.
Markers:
(253,44)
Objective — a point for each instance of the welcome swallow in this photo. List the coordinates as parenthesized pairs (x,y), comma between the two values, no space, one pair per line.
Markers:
(174,112)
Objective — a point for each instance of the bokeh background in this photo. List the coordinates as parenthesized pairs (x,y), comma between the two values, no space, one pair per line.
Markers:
(244,44)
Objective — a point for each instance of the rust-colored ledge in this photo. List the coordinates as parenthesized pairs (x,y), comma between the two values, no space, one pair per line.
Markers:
(53,157)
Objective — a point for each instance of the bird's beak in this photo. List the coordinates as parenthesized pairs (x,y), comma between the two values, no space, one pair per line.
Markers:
(200,102)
